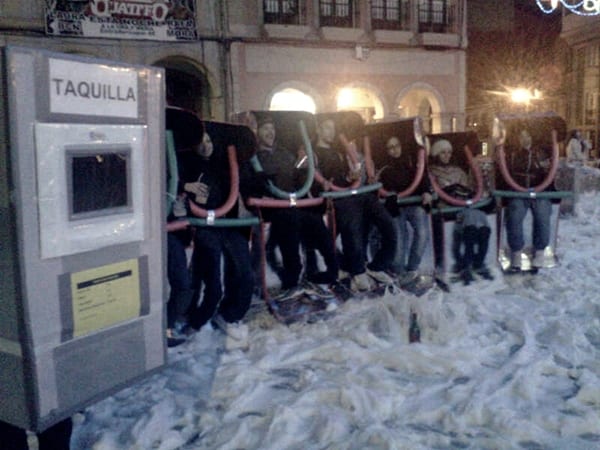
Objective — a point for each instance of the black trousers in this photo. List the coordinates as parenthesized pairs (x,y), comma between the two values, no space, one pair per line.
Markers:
(233,295)
(57,437)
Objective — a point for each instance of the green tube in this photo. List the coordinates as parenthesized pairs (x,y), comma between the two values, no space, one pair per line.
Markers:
(349,192)
(224,222)
(544,194)
(410,200)
(279,193)
(454,209)
(173,172)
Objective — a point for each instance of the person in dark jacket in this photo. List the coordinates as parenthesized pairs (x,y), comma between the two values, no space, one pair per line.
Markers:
(355,214)
(290,227)
(528,166)
(396,176)
(205,178)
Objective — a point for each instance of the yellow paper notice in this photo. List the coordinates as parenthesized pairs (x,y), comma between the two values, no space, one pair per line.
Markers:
(105,296)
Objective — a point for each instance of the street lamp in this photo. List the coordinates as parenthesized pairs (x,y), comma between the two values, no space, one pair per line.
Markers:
(523,95)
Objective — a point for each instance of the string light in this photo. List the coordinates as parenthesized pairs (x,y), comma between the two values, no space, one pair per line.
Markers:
(580,7)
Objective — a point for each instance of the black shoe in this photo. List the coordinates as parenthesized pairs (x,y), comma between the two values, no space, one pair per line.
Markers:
(484,273)
(174,342)
(321,277)
(467,276)
(175,338)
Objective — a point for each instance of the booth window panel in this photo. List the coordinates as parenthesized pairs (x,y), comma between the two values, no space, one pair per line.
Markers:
(390,14)
(99,181)
(285,12)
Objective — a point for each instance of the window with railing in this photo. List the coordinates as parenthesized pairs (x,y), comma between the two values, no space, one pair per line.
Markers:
(337,13)
(435,16)
(390,14)
(282,12)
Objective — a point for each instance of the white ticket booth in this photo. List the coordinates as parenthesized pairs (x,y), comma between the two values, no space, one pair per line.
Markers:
(82,185)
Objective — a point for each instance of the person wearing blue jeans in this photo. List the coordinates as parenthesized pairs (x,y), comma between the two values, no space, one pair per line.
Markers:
(528,165)
(396,176)
(516,210)
(408,257)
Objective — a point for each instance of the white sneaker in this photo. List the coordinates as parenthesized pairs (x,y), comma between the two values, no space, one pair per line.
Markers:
(515,259)
(361,282)
(342,274)
(380,276)
(235,330)
(408,277)
(539,259)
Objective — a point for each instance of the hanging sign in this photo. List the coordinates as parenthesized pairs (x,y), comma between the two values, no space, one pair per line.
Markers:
(160,20)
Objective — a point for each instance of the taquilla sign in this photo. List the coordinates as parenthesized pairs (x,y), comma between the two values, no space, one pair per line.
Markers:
(92,90)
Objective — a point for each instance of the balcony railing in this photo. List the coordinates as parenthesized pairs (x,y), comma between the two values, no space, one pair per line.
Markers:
(432,16)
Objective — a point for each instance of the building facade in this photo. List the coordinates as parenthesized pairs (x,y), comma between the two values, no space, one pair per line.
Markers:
(582,34)
(382,58)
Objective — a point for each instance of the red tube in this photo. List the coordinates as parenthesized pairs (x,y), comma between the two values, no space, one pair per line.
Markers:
(234,187)
(540,187)
(478,184)
(266,202)
(369,164)
(416,180)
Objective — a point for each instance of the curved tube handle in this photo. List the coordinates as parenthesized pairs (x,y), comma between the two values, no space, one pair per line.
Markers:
(478,184)
(280,193)
(234,187)
(349,192)
(369,164)
(415,182)
(173,172)
(547,180)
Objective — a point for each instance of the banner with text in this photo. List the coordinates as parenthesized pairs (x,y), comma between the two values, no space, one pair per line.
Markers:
(160,20)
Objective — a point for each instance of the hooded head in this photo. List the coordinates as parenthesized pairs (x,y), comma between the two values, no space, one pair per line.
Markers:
(442,150)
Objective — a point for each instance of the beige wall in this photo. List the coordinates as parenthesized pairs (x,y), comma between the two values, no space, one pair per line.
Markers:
(261,70)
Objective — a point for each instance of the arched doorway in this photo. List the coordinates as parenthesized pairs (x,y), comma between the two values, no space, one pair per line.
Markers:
(424,102)
(362,100)
(187,85)
(292,99)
